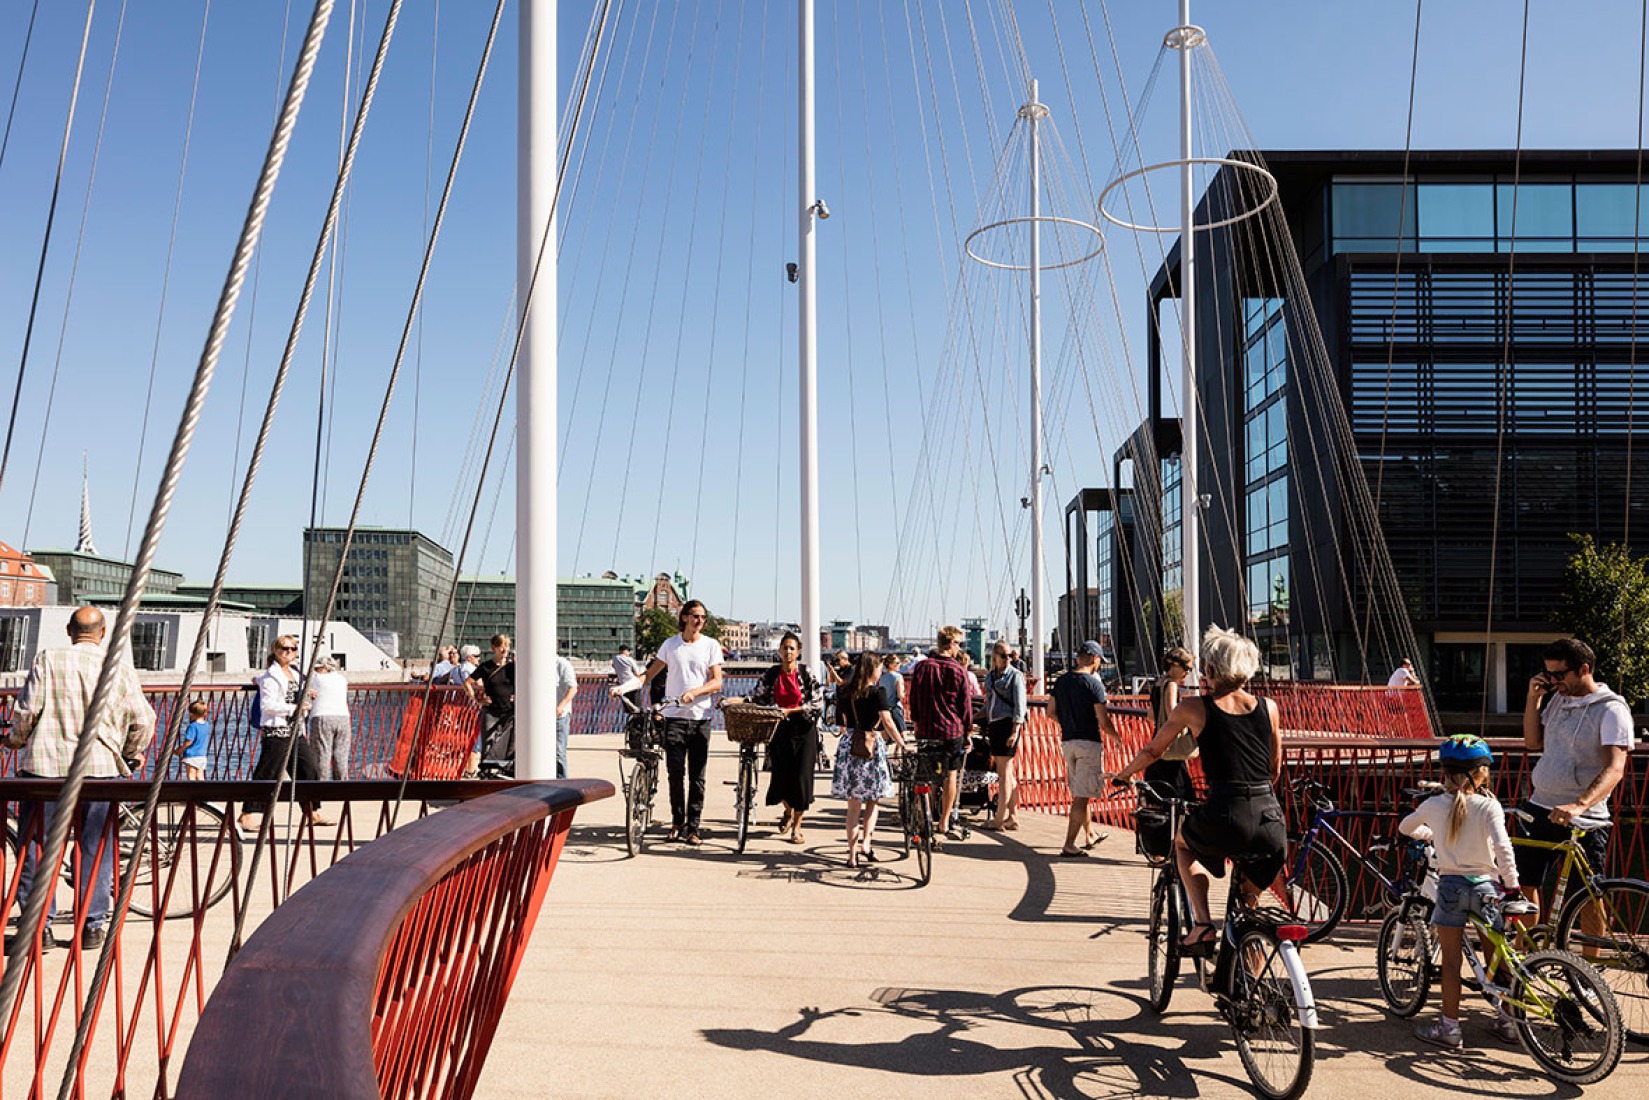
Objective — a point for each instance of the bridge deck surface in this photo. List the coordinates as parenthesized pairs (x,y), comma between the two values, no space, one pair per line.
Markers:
(783,973)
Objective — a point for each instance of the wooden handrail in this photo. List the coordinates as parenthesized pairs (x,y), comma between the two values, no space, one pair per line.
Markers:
(292,1015)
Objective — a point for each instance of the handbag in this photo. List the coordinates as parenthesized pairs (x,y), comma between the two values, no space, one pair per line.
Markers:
(1183,747)
(863,745)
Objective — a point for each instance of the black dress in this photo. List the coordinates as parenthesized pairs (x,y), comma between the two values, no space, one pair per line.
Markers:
(794,751)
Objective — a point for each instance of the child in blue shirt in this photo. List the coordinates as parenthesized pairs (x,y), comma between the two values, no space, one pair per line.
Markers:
(195,739)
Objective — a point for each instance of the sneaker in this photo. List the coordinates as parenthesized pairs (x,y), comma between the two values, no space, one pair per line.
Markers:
(1504,1028)
(1440,1034)
(92,938)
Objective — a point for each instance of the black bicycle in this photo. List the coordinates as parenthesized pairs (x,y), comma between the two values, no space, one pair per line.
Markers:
(1258,982)
(192,837)
(920,778)
(1315,888)
(643,750)
(750,726)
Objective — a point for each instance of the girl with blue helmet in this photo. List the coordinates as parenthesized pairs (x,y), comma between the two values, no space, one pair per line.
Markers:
(1467,829)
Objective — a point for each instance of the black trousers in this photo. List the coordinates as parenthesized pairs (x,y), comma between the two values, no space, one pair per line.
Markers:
(272,749)
(686,751)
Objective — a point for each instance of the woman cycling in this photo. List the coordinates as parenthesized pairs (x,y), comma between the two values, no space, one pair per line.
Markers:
(794,750)
(1242,756)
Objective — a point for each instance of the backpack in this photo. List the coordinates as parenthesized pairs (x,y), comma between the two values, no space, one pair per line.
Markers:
(255,716)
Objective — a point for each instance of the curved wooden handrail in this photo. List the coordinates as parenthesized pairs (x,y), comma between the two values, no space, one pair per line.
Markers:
(292,1015)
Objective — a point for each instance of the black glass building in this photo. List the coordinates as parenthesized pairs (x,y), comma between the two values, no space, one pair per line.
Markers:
(1465,334)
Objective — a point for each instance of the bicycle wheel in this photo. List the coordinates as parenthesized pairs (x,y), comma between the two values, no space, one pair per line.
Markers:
(1620,952)
(190,852)
(1567,1017)
(1403,959)
(1162,938)
(1276,1048)
(923,841)
(638,795)
(746,796)
(907,815)
(1314,891)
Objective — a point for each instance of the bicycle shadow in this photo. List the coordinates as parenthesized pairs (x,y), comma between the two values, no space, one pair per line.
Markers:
(1086,1042)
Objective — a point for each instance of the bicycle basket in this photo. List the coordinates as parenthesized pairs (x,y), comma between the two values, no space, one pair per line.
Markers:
(749,724)
(1154,833)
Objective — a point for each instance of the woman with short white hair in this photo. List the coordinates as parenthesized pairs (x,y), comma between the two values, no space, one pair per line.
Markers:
(1242,758)
(329,725)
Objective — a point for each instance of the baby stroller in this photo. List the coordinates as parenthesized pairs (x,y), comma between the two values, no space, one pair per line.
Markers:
(975,794)
(498,751)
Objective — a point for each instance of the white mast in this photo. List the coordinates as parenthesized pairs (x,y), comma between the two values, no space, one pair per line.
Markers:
(1033,112)
(535,416)
(1190,518)
(811,211)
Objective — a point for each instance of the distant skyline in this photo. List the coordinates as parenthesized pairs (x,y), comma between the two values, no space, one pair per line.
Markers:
(678,348)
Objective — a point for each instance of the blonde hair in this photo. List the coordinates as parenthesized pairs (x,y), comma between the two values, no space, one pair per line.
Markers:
(1231,659)
(280,639)
(949,635)
(1463,783)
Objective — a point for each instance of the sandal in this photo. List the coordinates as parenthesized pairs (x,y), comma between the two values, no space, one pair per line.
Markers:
(870,856)
(1010,824)
(1200,940)
(673,835)
(797,837)
(853,857)
(693,839)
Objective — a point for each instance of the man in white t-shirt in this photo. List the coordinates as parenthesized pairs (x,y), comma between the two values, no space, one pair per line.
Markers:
(692,663)
(1583,732)
(566,689)
(1403,676)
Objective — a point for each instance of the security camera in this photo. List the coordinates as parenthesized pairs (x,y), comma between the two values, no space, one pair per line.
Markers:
(821,209)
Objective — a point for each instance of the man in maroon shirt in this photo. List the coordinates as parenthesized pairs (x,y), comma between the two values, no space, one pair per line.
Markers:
(941,709)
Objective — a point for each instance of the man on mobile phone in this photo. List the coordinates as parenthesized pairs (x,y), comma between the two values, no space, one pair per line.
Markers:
(1583,732)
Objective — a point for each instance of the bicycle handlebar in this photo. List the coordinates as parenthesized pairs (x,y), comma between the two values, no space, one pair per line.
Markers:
(1578,826)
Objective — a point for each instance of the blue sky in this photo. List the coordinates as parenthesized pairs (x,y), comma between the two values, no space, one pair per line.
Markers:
(678,330)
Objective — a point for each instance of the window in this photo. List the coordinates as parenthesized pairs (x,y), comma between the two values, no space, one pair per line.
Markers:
(149,644)
(1370,216)
(14,642)
(1544,213)
(257,644)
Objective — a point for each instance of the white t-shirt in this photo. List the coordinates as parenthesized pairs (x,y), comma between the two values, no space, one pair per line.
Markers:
(566,680)
(331,695)
(688,666)
(1481,848)
(1402,678)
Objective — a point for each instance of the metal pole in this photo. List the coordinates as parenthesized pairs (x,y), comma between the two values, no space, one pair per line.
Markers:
(1034,112)
(535,411)
(1190,517)
(807,323)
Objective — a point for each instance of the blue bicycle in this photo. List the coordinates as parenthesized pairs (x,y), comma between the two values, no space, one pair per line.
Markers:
(1315,888)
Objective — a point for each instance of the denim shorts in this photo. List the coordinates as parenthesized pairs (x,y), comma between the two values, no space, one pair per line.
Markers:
(1458,896)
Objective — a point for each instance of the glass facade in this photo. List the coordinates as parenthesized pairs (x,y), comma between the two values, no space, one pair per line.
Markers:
(85,578)
(1105,581)
(1173,577)
(150,641)
(1485,214)
(14,642)
(1265,469)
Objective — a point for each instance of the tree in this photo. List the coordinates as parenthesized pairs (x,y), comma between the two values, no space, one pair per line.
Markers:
(656,624)
(1606,605)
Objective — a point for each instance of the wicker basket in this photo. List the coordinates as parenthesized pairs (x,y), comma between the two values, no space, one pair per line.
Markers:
(749,724)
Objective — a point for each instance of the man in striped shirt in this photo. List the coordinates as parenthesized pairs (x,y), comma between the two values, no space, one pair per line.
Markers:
(46,725)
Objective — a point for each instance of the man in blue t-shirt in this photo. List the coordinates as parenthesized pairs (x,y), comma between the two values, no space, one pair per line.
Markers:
(1077,703)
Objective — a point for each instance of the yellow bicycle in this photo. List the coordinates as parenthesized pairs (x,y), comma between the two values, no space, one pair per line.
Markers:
(1618,945)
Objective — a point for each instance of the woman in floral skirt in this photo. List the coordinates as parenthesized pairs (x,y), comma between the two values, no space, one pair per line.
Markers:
(863,780)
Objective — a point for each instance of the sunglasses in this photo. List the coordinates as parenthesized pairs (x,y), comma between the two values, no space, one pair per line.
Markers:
(286,649)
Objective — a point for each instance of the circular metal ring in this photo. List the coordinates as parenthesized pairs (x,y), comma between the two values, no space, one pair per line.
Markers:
(1188,37)
(967,245)
(1247,166)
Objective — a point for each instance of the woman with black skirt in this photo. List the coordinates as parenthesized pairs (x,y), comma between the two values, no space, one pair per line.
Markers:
(794,750)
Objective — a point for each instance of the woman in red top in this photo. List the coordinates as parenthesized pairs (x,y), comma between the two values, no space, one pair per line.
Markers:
(794,750)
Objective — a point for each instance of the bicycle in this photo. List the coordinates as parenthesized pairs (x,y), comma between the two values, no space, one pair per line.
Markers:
(920,777)
(189,835)
(1315,889)
(644,746)
(1258,982)
(751,727)
(1565,1015)
(1621,951)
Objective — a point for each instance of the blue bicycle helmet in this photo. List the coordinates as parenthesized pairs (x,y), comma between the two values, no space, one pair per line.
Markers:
(1465,748)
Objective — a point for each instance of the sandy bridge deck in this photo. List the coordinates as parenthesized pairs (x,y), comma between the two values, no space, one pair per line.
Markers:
(783,973)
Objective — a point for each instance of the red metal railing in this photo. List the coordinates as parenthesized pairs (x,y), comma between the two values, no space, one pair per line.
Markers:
(387,976)
(194,880)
